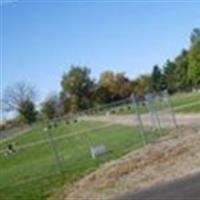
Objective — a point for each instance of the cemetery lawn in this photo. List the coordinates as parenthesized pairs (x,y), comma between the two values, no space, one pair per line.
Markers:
(181,103)
(32,172)
(186,103)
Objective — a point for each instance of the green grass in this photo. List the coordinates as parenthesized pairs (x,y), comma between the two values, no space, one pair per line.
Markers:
(189,109)
(181,103)
(186,103)
(38,162)
(32,173)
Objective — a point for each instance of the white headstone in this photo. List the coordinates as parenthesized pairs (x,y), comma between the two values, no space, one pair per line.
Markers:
(98,150)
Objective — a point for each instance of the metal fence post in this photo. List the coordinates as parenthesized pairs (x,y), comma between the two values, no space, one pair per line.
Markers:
(54,150)
(156,114)
(166,95)
(150,103)
(141,126)
(173,116)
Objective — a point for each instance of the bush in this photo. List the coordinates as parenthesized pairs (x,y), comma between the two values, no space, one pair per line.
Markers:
(121,109)
(75,121)
(55,124)
(128,107)
(2,127)
(113,111)
(49,126)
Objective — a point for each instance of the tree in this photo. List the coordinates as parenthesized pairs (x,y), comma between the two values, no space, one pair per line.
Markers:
(156,78)
(118,86)
(20,97)
(195,36)
(142,84)
(78,85)
(181,71)
(170,76)
(27,111)
(101,95)
(194,64)
(184,72)
(64,100)
(122,85)
(50,107)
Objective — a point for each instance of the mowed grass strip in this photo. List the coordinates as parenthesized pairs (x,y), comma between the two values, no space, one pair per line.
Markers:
(186,103)
(181,103)
(32,173)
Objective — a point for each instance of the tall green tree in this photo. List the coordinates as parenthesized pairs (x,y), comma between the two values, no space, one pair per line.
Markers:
(64,105)
(170,76)
(50,107)
(195,36)
(194,58)
(27,111)
(156,78)
(79,86)
(180,71)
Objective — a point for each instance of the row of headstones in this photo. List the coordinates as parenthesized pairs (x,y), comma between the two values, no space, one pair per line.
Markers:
(147,102)
(111,110)
(56,124)
(59,121)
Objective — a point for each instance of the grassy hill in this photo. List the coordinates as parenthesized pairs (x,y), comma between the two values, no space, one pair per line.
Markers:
(38,168)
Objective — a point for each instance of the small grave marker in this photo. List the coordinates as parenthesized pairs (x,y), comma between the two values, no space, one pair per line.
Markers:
(98,150)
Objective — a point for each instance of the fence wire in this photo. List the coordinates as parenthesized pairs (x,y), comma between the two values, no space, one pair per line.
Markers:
(47,157)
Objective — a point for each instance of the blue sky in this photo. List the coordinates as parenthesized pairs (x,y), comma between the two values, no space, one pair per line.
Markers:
(41,39)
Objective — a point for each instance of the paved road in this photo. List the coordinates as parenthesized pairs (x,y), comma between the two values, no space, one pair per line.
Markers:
(183,189)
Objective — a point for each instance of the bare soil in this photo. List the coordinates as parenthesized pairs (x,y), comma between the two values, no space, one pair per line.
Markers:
(166,119)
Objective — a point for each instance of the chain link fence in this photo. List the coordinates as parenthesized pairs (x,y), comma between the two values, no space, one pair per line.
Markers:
(36,164)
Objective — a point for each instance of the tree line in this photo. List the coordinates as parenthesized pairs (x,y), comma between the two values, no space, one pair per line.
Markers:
(79,91)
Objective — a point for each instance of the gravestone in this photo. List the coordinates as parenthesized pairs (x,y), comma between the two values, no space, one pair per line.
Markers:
(98,150)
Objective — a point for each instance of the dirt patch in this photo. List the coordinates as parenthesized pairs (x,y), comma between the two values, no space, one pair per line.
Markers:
(175,156)
(165,119)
